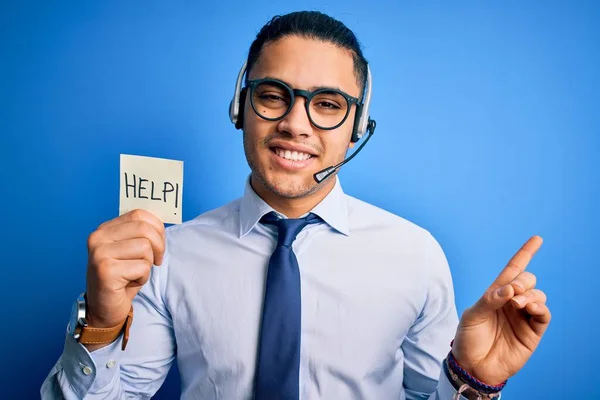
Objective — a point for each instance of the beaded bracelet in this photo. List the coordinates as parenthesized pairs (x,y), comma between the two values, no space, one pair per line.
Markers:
(470,379)
(464,390)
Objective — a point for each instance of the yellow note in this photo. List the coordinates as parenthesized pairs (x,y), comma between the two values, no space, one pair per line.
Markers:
(152,184)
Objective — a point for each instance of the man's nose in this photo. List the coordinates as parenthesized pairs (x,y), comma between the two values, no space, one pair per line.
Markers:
(296,122)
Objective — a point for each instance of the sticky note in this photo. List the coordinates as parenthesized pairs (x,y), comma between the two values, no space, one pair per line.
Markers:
(152,184)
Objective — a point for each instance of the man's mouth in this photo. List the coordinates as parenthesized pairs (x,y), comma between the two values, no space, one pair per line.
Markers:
(291,155)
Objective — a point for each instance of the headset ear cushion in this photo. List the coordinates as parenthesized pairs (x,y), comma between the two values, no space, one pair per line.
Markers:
(240,119)
(359,111)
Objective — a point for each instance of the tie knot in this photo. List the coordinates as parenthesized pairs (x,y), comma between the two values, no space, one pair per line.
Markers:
(289,228)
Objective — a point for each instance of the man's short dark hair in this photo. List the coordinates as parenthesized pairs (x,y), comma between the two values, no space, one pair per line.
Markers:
(310,25)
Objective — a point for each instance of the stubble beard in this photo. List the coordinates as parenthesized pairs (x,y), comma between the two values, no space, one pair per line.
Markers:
(281,189)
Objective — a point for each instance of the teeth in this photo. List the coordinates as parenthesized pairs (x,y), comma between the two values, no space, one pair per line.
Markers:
(292,155)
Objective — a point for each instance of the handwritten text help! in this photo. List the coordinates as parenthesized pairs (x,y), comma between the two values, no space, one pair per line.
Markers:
(152,184)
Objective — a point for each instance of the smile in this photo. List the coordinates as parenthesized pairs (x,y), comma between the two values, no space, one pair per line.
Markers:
(291,155)
(291,160)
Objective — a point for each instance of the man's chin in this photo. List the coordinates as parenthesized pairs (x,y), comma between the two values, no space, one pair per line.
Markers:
(291,190)
(291,187)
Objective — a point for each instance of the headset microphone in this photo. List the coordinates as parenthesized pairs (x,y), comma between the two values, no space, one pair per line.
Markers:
(323,174)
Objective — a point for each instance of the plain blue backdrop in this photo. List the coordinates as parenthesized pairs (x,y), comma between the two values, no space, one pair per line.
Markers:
(487,134)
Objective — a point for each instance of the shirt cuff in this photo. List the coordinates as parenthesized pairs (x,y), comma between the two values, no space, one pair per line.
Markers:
(445,388)
(87,371)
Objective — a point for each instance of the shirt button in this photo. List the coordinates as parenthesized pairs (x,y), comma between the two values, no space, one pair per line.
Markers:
(87,370)
(110,364)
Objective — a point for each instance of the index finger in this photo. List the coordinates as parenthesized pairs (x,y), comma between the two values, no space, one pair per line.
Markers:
(137,215)
(518,262)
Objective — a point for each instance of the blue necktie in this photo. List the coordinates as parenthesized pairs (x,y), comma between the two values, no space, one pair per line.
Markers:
(279,348)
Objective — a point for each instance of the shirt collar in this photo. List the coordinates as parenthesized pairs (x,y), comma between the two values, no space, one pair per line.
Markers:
(332,209)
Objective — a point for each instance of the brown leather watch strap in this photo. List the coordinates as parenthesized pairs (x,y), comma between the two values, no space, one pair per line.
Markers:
(91,335)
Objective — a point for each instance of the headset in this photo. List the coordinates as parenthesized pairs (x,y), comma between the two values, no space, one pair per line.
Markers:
(362,121)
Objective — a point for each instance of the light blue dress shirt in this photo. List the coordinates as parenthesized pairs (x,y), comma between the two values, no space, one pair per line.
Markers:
(378,310)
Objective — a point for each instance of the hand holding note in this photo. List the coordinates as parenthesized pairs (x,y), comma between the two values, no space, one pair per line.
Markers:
(121,254)
(122,251)
(152,184)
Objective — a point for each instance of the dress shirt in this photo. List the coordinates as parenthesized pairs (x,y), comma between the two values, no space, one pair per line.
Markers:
(378,310)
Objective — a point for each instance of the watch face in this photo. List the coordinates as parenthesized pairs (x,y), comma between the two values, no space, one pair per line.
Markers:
(77,317)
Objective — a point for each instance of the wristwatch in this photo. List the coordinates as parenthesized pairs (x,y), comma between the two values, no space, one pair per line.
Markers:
(80,330)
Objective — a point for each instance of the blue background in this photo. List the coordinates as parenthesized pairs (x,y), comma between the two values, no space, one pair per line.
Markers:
(487,133)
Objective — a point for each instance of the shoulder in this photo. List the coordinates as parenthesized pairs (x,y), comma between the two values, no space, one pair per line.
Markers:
(192,240)
(367,216)
(223,217)
(381,231)
(377,225)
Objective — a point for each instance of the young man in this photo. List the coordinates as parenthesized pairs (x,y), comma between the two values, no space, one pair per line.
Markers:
(296,290)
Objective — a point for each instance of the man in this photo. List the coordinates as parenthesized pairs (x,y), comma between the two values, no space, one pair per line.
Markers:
(296,290)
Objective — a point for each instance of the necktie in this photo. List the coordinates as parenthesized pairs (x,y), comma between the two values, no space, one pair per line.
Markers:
(279,348)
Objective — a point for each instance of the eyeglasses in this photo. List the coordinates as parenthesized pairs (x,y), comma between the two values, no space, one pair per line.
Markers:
(327,108)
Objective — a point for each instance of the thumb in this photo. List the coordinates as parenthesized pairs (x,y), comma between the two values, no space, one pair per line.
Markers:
(491,301)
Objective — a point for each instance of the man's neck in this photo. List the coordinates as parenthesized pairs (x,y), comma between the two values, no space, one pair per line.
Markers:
(292,207)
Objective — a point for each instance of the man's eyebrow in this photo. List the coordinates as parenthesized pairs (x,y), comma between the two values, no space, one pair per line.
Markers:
(312,88)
